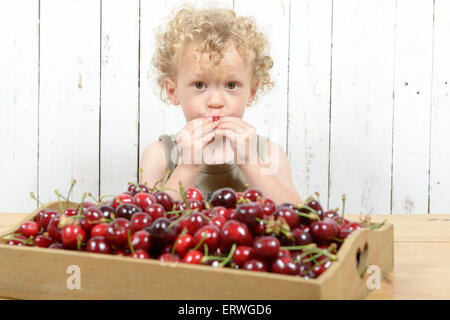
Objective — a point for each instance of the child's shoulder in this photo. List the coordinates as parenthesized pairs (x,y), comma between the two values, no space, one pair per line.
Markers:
(154,154)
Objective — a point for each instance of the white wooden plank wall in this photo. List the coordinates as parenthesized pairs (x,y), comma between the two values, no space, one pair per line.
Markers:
(361,100)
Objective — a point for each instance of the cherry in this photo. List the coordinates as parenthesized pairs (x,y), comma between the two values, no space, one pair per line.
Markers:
(260,229)
(193,204)
(140,254)
(236,232)
(284,265)
(70,212)
(140,220)
(323,230)
(127,210)
(52,228)
(255,265)
(193,222)
(284,253)
(305,271)
(155,210)
(98,244)
(165,200)
(44,216)
(225,197)
(301,237)
(221,211)
(18,240)
(242,254)
(319,269)
(168,257)
(288,214)
(346,230)
(117,231)
(210,235)
(141,240)
(122,198)
(184,243)
(314,204)
(143,199)
(252,194)
(231,214)
(248,212)
(56,245)
(43,241)
(134,188)
(161,232)
(72,236)
(266,248)
(268,206)
(193,257)
(93,216)
(194,193)
(108,211)
(99,230)
(217,221)
(29,228)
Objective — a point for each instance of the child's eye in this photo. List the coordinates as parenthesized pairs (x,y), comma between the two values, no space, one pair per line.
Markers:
(199,85)
(232,85)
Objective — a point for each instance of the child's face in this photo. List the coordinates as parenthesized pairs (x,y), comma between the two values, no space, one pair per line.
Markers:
(213,92)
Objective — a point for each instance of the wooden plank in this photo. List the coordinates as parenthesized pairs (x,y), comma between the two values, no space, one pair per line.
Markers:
(440,112)
(309,96)
(269,113)
(413,63)
(69,93)
(19,81)
(361,105)
(119,95)
(421,272)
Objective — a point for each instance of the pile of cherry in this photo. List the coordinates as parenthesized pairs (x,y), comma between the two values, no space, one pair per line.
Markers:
(241,230)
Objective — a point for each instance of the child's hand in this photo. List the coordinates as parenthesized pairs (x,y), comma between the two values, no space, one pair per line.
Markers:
(193,138)
(243,137)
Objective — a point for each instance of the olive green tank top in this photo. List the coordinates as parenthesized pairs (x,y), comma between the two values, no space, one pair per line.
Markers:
(213,176)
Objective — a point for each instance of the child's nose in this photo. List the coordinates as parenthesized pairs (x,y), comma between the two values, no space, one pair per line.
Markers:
(215,99)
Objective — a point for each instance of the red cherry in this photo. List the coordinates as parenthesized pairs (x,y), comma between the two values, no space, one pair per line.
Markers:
(99,230)
(292,219)
(168,257)
(53,229)
(155,210)
(284,265)
(323,230)
(217,221)
(140,254)
(193,222)
(98,244)
(210,235)
(319,269)
(43,241)
(184,244)
(56,245)
(140,220)
(235,232)
(269,207)
(162,233)
(193,204)
(141,240)
(301,237)
(126,210)
(18,240)
(193,257)
(266,248)
(133,188)
(284,253)
(224,197)
(165,200)
(253,194)
(255,265)
(93,216)
(242,254)
(43,217)
(221,211)
(194,193)
(248,213)
(29,228)
(117,231)
(305,271)
(72,235)
(143,199)
(122,198)
(70,212)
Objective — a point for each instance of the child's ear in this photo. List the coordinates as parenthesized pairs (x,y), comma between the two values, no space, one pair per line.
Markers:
(171,91)
(252,95)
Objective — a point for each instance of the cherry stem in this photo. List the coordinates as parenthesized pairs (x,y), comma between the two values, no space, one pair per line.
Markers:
(136,185)
(306,246)
(80,208)
(205,235)
(177,212)
(174,222)
(98,201)
(141,172)
(129,241)
(313,216)
(343,205)
(37,199)
(182,234)
(377,225)
(318,196)
(206,258)
(205,249)
(70,189)
(317,250)
(183,195)
(166,178)
(59,200)
(230,255)
(79,238)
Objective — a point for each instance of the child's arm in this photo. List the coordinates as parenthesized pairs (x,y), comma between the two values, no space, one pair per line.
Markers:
(273,177)
(154,168)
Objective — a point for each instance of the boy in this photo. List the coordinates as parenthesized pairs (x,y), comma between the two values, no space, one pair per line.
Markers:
(212,63)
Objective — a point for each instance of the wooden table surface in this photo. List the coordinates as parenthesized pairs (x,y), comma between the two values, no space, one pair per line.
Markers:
(421,256)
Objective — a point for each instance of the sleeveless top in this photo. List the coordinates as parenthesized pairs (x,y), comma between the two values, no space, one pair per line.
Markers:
(213,176)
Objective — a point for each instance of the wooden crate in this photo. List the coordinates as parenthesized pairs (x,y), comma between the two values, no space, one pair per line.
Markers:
(40,273)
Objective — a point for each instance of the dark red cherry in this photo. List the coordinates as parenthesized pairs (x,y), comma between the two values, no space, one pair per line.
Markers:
(225,197)
(140,254)
(108,211)
(193,222)
(184,243)
(210,235)
(301,237)
(43,241)
(99,230)
(164,199)
(236,232)
(284,265)
(141,240)
(127,210)
(162,233)
(266,248)
(43,217)
(253,194)
(98,245)
(255,265)
(242,254)
(168,257)
(288,214)
(155,210)
(117,231)
(248,213)
(140,220)
(143,200)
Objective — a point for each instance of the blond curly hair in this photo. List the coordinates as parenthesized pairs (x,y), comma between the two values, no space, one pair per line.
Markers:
(214,28)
